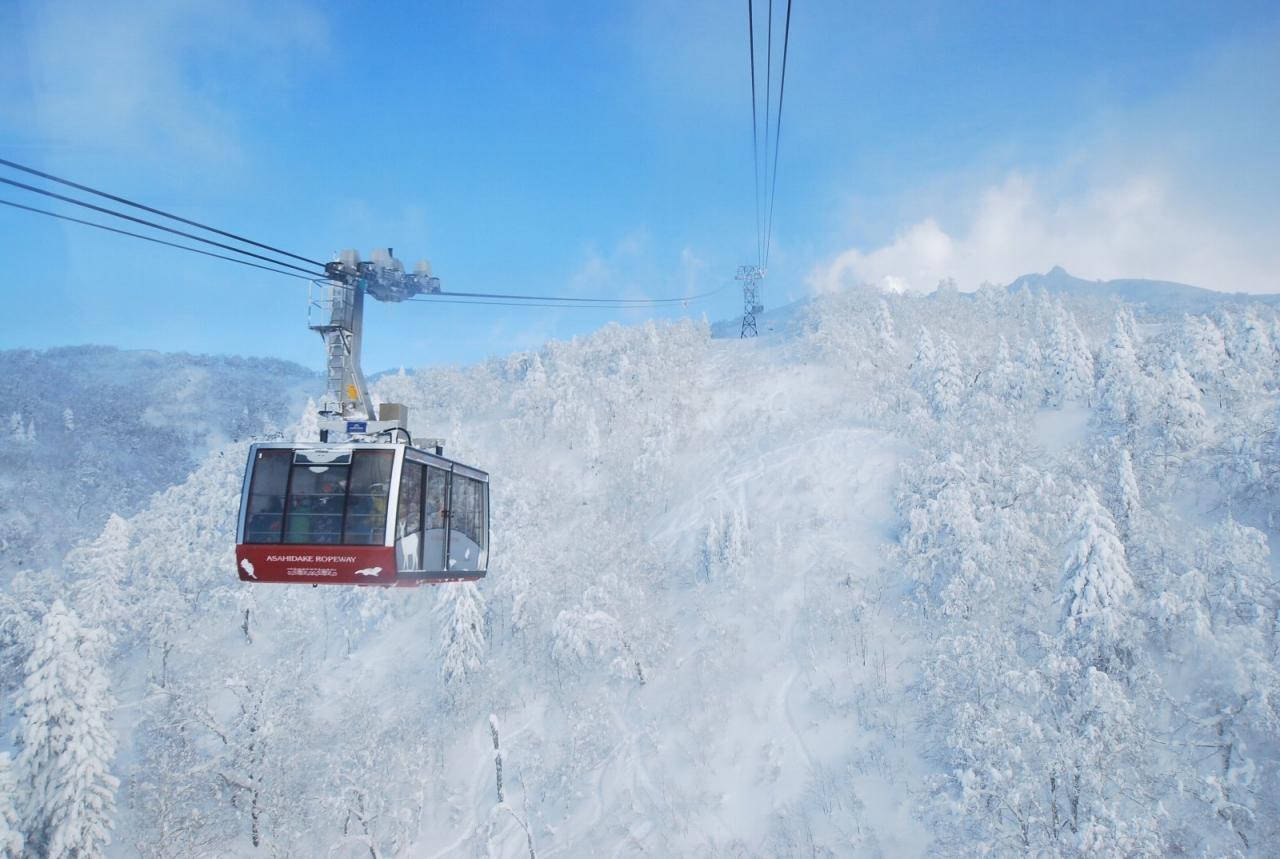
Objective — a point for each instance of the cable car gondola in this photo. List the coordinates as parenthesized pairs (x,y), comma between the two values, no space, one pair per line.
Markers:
(361,506)
(368,513)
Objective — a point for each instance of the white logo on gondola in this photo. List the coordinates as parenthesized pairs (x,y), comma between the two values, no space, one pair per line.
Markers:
(369,571)
(247,567)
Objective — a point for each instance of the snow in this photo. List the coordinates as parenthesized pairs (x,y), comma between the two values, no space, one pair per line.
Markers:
(817,593)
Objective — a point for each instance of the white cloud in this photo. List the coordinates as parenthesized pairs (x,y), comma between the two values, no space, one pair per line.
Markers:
(1135,226)
(1182,187)
(150,78)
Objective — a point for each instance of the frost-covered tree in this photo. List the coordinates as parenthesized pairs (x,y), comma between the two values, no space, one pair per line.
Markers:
(1124,395)
(308,426)
(100,570)
(169,787)
(1218,622)
(1251,351)
(923,361)
(262,766)
(942,546)
(11,840)
(1036,379)
(1096,588)
(65,747)
(460,610)
(1126,496)
(1201,342)
(885,330)
(1004,381)
(1068,360)
(946,382)
(1181,424)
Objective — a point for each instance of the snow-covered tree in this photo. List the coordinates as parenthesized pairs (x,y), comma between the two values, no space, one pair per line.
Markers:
(1124,394)
(1181,424)
(1202,345)
(11,840)
(1004,380)
(923,362)
(169,787)
(946,382)
(100,570)
(885,330)
(308,426)
(1096,588)
(461,613)
(1068,359)
(1249,345)
(1036,378)
(1126,495)
(65,746)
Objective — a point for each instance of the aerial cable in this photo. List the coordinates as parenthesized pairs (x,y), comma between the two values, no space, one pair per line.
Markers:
(154,225)
(554,301)
(755,130)
(307,274)
(768,100)
(642,302)
(153,211)
(527,304)
(525,300)
(777,134)
(150,239)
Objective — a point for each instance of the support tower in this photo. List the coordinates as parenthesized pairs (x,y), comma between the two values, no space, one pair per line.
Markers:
(336,313)
(750,275)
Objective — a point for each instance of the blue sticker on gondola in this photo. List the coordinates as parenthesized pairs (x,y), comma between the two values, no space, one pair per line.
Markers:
(357,426)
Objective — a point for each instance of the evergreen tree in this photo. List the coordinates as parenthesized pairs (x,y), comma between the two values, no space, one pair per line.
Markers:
(11,840)
(460,610)
(1037,375)
(922,362)
(1251,350)
(946,383)
(1123,392)
(1070,363)
(1202,344)
(1096,587)
(1004,381)
(1181,424)
(101,570)
(65,747)
(885,329)
(308,426)
(1127,496)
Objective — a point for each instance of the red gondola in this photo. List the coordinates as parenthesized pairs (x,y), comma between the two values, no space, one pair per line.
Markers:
(369,513)
(369,509)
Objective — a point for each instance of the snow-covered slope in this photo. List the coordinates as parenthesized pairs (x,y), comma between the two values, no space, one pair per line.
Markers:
(943,575)
(93,430)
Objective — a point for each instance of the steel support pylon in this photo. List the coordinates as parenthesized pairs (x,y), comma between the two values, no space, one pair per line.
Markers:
(340,308)
(750,275)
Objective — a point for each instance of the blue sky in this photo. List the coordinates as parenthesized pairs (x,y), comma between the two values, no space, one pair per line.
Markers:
(604,148)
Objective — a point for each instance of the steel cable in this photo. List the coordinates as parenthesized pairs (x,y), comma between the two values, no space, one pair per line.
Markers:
(161,212)
(777,136)
(152,224)
(150,239)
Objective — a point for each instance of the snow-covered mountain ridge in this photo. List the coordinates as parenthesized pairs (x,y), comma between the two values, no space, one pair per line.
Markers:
(94,430)
(1160,296)
(943,575)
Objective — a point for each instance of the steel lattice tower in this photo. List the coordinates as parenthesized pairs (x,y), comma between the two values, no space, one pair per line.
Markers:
(750,275)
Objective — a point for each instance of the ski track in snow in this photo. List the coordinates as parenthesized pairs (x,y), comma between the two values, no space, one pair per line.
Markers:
(784,699)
